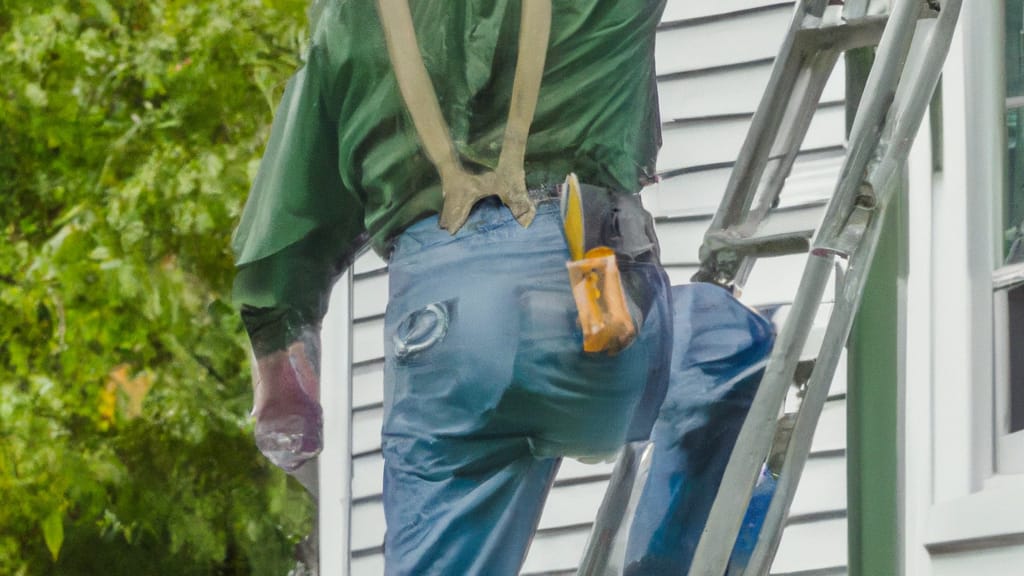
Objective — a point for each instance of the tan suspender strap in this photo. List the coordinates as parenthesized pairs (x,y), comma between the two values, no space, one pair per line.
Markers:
(534,33)
(415,85)
(463,189)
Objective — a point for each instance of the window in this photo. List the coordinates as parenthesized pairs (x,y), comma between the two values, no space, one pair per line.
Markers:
(1013,198)
(1008,278)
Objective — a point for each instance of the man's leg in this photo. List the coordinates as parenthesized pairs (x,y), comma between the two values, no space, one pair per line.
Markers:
(462,491)
(475,523)
(720,351)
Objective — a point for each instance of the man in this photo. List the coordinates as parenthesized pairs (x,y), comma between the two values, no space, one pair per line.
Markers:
(487,385)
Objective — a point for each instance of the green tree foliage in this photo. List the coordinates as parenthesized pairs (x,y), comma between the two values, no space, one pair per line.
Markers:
(129,133)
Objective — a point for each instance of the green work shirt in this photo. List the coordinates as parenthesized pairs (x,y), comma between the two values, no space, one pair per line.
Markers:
(344,165)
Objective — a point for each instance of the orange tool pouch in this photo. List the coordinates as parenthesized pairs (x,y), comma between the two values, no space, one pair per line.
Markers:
(604,314)
(601,302)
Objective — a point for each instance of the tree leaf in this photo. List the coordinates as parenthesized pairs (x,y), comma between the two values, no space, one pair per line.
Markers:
(53,532)
(112,246)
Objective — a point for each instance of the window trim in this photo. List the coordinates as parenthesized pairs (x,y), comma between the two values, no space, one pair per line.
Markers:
(1008,446)
(1007,277)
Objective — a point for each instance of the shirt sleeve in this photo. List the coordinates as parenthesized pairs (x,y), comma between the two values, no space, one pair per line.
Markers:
(300,228)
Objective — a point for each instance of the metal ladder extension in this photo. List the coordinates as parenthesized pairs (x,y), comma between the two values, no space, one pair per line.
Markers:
(912,39)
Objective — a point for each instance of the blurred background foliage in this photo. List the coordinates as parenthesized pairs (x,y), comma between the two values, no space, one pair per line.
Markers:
(129,133)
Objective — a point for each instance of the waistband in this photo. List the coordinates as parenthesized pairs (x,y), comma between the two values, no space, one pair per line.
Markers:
(490,212)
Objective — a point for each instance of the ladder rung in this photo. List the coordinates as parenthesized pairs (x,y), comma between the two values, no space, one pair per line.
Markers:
(760,246)
(866,31)
(856,9)
(845,33)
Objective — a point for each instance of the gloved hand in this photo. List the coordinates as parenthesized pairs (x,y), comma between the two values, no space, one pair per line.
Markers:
(289,419)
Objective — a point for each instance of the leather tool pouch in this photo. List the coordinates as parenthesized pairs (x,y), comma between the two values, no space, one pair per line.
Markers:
(612,293)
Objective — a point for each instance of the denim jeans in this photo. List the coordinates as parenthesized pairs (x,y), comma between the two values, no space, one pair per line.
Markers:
(487,386)
(719,355)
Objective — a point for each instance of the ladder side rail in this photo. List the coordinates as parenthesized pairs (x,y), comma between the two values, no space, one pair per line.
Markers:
(905,120)
(880,91)
(606,543)
(833,42)
(797,121)
(711,557)
(765,124)
(779,168)
(915,94)
(798,450)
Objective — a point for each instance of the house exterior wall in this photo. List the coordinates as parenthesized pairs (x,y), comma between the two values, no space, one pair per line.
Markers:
(714,59)
(963,513)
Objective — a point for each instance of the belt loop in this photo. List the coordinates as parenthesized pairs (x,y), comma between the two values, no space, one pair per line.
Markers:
(545,192)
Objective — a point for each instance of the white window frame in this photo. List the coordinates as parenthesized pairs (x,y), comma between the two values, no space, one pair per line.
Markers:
(1009,446)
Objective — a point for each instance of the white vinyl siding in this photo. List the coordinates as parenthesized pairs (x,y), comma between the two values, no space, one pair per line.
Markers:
(714,59)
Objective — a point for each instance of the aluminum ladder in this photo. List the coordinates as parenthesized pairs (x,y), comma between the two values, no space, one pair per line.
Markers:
(912,39)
